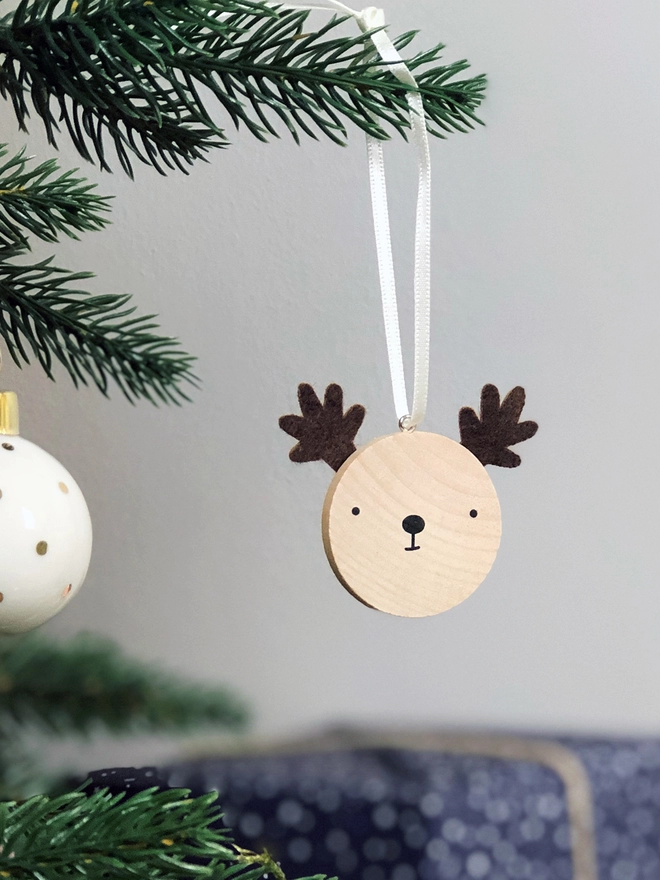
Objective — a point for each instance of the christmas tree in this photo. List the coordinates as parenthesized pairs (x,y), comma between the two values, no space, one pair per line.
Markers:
(146,81)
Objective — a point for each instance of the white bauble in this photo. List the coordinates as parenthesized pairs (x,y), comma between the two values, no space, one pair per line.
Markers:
(45,535)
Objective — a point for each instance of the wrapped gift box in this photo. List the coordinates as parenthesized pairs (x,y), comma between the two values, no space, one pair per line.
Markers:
(375,806)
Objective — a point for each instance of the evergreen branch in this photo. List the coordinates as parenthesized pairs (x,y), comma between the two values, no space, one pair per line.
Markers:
(260,865)
(162,835)
(93,337)
(76,687)
(131,70)
(155,834)
(36,200)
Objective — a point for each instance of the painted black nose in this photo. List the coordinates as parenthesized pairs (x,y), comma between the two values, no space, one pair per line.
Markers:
(413,524)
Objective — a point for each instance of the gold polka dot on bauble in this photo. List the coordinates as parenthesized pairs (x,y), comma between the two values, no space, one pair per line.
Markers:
(64,488)
(66,591)
(42,548)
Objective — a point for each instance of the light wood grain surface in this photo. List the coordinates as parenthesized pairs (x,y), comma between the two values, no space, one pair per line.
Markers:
(372,519)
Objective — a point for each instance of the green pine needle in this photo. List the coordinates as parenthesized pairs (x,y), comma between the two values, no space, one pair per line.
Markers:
(37,200)
(140,75)
(154,834)
(140,72)
(95,337)
(42,312)
(73,688)
(160,835)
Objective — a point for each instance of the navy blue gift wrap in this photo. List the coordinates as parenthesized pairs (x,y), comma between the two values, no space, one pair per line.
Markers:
(436,806)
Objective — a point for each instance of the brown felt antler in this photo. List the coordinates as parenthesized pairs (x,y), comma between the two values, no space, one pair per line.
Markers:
(488,438)
(324,432)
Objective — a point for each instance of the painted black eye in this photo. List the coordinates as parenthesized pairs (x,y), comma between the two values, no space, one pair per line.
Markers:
(355,511)
(473,513)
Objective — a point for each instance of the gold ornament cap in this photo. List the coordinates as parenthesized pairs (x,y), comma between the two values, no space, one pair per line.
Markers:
(9,413)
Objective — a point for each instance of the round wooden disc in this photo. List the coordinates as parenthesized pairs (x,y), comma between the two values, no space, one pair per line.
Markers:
(411,524)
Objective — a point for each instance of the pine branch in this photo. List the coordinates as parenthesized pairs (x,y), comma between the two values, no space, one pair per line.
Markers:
(131,71)
(77,686)
(95,338)
(260,865)
(162,835)
(36,200)
(155,834)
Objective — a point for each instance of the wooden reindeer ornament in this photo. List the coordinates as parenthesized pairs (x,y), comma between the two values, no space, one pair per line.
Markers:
(411,522)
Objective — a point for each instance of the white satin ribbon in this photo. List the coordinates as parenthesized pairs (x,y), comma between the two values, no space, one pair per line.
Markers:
(369,19)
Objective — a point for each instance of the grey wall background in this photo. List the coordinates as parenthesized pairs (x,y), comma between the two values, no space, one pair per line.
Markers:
(208,555)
